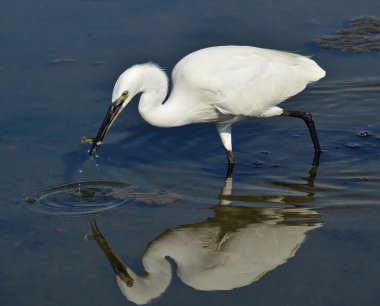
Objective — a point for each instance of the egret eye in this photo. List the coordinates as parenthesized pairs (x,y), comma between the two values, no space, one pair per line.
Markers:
(124,94)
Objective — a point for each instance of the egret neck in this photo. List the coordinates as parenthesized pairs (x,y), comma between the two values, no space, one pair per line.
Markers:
(152,82)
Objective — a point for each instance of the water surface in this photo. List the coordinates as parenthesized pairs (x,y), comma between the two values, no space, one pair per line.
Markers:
(60,60)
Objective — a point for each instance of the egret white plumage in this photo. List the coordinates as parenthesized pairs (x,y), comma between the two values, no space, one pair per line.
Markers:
(222,84)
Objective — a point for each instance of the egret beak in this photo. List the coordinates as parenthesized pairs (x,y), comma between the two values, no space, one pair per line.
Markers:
(113,111)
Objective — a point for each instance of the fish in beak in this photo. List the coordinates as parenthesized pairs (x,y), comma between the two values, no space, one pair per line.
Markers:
(112,113)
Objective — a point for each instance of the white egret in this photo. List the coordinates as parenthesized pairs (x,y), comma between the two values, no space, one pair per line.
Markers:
(222,84)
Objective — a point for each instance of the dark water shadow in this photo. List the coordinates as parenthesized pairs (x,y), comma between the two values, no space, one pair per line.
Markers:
(235,247)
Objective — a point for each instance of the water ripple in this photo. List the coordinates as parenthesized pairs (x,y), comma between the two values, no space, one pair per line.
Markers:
(91,197)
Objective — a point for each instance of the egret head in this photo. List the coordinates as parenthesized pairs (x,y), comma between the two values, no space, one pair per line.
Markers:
(138,79)
(124,90)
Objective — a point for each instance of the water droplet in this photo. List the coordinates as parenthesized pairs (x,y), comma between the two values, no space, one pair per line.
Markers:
(80,171)
(353,145)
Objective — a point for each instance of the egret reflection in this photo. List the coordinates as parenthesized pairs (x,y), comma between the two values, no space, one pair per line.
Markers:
(235,247)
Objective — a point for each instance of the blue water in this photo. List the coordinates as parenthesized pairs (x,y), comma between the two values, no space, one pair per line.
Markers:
(287,234)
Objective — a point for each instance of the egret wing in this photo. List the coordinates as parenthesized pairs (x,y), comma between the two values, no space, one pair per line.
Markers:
(244,80)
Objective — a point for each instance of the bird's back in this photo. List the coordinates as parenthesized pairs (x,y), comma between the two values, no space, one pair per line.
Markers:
(242,80)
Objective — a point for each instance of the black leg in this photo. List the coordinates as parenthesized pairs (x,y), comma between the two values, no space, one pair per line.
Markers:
(230,158)
(308,118)
(317,155)
(230,170)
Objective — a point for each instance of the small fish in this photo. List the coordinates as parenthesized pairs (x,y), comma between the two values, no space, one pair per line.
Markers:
(88,140)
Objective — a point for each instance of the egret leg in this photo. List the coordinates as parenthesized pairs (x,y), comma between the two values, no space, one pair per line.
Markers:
(308,118)
(224,130)
(317,155)
(230,158)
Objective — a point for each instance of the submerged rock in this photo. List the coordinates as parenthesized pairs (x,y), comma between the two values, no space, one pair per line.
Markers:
(363,36)
(364,133)
(258,163)
(157,198)
(353,145)
(30,200)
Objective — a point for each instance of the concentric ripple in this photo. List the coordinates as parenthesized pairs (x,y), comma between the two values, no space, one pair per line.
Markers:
(80,198)
(93,197)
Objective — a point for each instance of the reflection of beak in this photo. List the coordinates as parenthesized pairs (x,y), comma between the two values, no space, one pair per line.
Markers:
(112,113)
(117,264)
